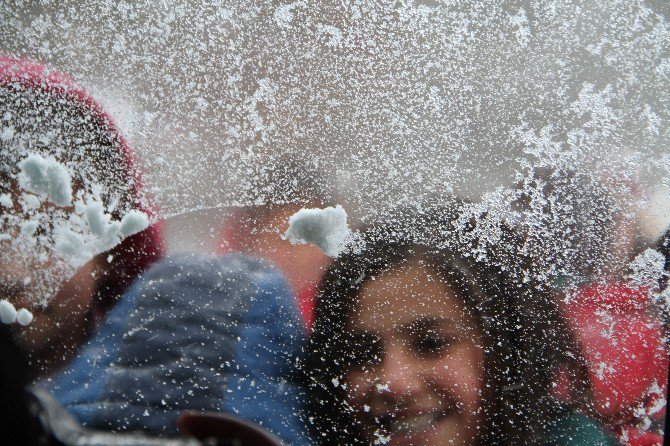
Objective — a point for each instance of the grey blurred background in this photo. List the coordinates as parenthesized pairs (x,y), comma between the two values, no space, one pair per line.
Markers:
(393,103)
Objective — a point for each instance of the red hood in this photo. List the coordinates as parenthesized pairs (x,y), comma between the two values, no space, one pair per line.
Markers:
(616,298)
(622,344)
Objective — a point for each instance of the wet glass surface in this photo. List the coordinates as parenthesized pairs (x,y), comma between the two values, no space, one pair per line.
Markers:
(485,261)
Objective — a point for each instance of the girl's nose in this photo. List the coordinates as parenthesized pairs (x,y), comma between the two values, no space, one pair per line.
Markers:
(397,375)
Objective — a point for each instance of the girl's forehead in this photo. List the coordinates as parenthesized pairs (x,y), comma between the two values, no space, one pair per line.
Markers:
(400,297)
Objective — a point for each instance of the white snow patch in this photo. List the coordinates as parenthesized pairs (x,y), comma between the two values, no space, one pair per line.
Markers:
(133,222)
(326,228)
(284,13)
(7,133)
(383,387)
(7,312)
(24,317)
(647,268)
(46,177)
(381,438)
(6,200)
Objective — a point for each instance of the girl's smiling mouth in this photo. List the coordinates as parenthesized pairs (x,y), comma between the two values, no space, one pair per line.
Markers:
(411,426)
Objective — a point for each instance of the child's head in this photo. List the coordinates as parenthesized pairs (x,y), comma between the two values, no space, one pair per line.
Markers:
(45,114)
(418,365)
(415,344)
(47,118)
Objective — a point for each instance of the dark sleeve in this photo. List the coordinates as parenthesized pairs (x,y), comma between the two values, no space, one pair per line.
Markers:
(16,422)
(576,429)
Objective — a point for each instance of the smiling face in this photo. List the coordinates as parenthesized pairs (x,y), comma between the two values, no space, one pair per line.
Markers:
(420,373)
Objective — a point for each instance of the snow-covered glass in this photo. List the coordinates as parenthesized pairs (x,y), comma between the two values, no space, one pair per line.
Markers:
(461,211)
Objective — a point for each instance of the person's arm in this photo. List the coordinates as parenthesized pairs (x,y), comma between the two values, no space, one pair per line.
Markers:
(58,329)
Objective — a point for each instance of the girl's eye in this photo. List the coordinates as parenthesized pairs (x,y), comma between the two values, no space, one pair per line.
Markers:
(431,344)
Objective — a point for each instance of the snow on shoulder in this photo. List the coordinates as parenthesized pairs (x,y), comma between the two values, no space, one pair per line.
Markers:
(326,228)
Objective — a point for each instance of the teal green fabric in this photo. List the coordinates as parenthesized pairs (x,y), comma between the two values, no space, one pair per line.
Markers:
(576,429)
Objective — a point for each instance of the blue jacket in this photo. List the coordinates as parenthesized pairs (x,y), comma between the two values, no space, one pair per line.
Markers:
(195,332)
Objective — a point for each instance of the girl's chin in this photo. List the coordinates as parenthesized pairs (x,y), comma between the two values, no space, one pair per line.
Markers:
(452,431)
(426,438)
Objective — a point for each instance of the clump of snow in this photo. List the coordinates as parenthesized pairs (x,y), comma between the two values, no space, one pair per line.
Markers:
(98,220)
(24,317)
(9,315)
(7,133)
(382,387)
(326,228)
(46,177)
(72,246)
(381,438)
(56,216)
(7,312)
(28,228)
(6,200)
(29,202)
(133,222)
(99,233)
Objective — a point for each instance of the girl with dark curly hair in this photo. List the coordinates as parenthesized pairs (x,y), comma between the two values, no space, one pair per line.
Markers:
(415,344)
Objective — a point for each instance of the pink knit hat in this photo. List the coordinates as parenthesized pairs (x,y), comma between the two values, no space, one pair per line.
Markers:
(137,252)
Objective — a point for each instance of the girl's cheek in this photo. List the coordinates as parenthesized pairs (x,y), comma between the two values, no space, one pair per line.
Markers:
(462,371)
